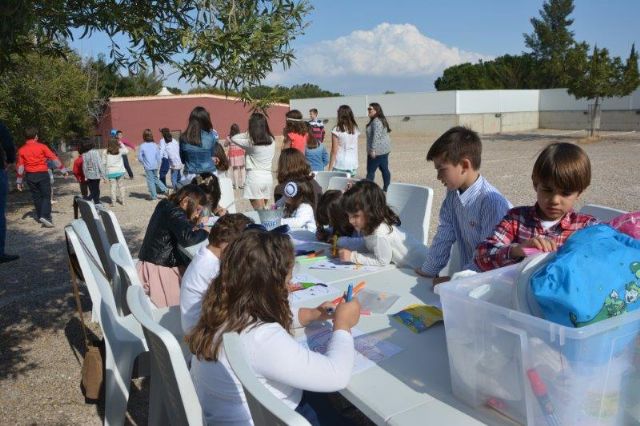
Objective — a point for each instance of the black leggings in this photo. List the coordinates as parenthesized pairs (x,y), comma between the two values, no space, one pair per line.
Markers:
(94,190)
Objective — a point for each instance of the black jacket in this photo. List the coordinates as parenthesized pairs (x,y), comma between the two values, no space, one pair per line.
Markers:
(168,228)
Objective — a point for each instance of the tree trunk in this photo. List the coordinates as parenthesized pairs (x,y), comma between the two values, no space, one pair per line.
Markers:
(595,118)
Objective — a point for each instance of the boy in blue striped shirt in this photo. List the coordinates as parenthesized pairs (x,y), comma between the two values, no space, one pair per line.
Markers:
(472,207)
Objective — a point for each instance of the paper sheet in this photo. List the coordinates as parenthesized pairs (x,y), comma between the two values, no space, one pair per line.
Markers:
(297,297)
(336,265)
(370,348)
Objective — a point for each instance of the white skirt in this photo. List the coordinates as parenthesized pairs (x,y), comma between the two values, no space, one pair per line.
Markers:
(258,185)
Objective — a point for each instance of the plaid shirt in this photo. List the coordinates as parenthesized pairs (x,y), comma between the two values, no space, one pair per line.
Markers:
(519,225)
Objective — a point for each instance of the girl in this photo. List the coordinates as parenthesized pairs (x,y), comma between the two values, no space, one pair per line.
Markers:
(296,131)
(173,154)
(236,159)
(259,146)
(221,161)
(331,220)
(316,155)
(93,171)
(344,143)
(378,144)
(150,157)
(211,187)
(299,205)
(172,223)
(83,146)
(197,145)
(115,168)
(250,297)
(292,165)
(384,240)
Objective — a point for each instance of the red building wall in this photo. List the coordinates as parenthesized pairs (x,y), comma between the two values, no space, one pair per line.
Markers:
(133,115)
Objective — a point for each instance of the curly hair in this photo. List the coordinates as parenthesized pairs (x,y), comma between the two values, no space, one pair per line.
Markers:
(228,228)
(251,289)
(330,212)
(370,198)
(295,123)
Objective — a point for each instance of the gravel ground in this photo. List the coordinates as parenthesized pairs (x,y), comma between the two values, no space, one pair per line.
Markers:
(40,343)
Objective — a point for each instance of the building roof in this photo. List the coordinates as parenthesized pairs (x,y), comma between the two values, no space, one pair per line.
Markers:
(187,96)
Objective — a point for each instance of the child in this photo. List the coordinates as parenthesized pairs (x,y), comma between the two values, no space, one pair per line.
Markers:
(205,265)
(115,168)
(296,131)
(221,161)
(149,155)
(31,166)
(385,242)
(560,174)
(164,158)
(173,154)
(293,166)
(93,169)
(172,223)
(472,206)
(211,187)
(249,296)
(299,205)
(236,159)
(316,155)
(259,146)
(316,126)
(77,168)
(332,220)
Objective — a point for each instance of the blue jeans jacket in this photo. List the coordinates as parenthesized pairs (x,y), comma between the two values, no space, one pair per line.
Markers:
(198,159)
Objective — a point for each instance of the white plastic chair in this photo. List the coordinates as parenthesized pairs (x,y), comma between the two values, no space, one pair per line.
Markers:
(413,204)
(339,182)
(454,263)
(323,178)
(266,409)
(169,371)
(602,213)
(91,218)
(124,340)
(227,196)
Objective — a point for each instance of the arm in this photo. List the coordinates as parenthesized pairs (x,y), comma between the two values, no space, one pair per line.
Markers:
(379,249)
(50,155)
(141,155)
(19,169)
(352,243)
(127,143)
(183,230)
(438,253)
(334,151)
(325,156)
(242,140)
(301,217)
(494,252)
(279,357)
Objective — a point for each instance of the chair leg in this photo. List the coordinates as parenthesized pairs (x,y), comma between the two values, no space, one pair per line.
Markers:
(117,384)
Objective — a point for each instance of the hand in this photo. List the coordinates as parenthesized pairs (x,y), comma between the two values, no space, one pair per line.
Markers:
(344,255)
(322,235)
(347,315)
(320,313)
(372,154)
(541,243)
(19,186)
(440,280)
(220,211)
(66,175)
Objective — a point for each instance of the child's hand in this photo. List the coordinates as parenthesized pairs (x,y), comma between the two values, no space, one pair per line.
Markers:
(440,280)
(347,315)
(540,243)
(19,187)
(344,255)
(220,211)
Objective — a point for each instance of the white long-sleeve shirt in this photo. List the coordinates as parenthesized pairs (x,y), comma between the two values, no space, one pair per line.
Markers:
(257,157)
(302,218)
(204,267)
(284,366)
(390,244)
(173,154)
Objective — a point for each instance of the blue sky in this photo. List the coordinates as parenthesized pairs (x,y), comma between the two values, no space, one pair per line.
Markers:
(357,47)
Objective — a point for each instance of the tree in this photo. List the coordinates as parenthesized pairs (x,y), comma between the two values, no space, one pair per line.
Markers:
(232,43)
(174,90)
(52,94)
(600,76)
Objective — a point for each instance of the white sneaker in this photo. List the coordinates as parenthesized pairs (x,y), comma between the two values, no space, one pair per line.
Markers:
(47,223)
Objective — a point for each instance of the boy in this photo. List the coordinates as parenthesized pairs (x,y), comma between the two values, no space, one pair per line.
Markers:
(32,167)
(205,267)
(560,174)
(472,206)
(150,156)
(316,126)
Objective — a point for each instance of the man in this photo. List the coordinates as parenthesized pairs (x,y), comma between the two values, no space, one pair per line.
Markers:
(7,157)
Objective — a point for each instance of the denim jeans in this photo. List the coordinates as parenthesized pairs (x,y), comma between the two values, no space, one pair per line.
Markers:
(175,178)
(164,169)
(380,162)
(127,167)
(4,190)
(40,187)
(318,410)
(153,181)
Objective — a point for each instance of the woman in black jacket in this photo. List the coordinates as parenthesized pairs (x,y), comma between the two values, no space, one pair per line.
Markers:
(173,223)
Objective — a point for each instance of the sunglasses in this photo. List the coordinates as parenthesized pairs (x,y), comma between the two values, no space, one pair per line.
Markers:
(282,229)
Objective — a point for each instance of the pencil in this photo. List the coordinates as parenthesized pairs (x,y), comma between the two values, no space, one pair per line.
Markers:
(334,245)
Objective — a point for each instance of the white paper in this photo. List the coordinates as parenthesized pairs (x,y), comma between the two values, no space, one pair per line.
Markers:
(370,348)
(335,265)
(299,296)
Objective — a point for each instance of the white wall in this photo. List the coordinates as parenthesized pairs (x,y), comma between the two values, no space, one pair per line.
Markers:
(561,100)
(403,104)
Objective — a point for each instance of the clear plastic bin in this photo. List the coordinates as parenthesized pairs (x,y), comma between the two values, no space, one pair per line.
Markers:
(498,357)
(271,218)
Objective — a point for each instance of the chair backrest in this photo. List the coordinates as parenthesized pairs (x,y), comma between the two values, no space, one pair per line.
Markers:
(323,178)
(98,234)
(180,401)
(339,182)
(602,213)
(413,204)
(266,409)
(227,196)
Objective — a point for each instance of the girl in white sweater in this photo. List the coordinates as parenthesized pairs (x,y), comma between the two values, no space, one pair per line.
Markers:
(299,205)
(384,241)
(115,169)
(250,297)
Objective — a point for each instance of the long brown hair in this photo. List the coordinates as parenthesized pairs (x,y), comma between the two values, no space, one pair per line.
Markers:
(199,121)
(346,121)
(305,195)
(379,115)
(370,198)
(250,289)
(223,161)
(114,147)
(196,197)
(292,165)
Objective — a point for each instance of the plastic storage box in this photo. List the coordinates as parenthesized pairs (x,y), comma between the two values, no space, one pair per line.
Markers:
(534,371)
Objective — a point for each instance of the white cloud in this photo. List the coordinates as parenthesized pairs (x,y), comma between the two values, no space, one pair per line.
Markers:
(388,50)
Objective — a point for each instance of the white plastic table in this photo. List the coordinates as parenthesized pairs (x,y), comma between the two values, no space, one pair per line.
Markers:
(413,386)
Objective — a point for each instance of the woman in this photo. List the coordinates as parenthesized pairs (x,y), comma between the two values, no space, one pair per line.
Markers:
(344,143)
(378,144)
(172,223)
(197,145)
(259,145)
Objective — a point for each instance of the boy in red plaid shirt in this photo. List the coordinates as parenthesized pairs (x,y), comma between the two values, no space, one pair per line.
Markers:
(560,175)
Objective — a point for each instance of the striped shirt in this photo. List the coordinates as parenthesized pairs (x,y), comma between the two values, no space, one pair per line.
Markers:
(466,218)
(522,224)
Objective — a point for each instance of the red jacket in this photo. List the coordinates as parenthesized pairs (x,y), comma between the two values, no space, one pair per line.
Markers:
(77,169)
(32,158)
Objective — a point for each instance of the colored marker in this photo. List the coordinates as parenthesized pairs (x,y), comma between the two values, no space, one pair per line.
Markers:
(334,245)
(349,293)
(540,391)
